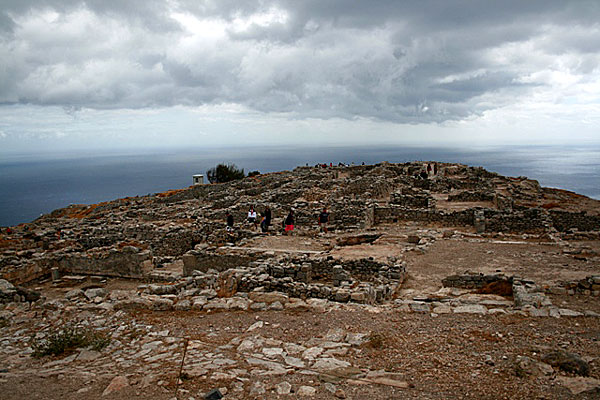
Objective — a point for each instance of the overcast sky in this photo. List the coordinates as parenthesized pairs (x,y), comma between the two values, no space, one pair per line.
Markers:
(124,73)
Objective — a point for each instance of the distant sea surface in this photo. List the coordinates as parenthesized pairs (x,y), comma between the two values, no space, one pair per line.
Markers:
(34,185)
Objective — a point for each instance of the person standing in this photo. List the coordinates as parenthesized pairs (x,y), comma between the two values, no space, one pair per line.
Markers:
(229,222)
(323,220)
(266,220)
(289,222)
(252,216)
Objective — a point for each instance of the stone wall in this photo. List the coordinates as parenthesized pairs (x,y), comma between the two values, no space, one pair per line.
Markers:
(394,214)
(589,285)
(563,221)
(528,220)
(364,281)
(471,196)
(127,263)
(199,260)
(322,279)
(26,272)
(472,281)
(414,201)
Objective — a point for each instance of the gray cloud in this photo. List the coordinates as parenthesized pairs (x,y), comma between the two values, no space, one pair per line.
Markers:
(428,61)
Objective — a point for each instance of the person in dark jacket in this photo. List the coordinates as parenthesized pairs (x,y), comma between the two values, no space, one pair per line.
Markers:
(323,220)
(229,222)
(266,221)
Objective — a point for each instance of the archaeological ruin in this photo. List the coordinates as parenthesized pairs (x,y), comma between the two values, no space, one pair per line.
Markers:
(448,243)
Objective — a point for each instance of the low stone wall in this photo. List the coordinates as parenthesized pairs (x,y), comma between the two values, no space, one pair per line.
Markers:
(564,221)
(528,220)
(503,203)
(395,214)
(323,279)
(471,196)
(127,263)
(334,283)
(472,281)
(200,260)
(589,285)
(414,201)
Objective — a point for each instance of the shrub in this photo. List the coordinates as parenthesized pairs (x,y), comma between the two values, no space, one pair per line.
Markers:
(253,173)
(67,339)
(224,173)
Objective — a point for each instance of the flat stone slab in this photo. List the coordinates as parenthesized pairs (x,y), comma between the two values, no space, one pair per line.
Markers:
(470,309)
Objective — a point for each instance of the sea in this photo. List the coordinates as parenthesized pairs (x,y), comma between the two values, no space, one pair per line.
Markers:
(35,184)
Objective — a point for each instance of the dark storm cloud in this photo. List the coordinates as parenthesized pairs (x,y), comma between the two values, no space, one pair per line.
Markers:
(427,61)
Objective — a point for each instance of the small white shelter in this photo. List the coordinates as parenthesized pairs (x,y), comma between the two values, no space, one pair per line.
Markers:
(198,179)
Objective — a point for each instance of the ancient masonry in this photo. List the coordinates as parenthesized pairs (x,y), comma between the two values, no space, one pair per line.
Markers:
(135,237)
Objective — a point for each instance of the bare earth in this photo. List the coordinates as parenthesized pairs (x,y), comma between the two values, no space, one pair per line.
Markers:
(403,354)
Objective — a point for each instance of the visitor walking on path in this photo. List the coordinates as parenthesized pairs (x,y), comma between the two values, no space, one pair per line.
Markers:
(323,220)
(289,222)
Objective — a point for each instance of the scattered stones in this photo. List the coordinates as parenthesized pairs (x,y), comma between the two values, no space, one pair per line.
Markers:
(306,391)
(578,385)
(283,388)
(470,309)
(214,394)
(118,383)
(569,362)
(526,366)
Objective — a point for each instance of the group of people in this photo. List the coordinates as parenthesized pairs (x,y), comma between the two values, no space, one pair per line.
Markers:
(340,164)
(288,223)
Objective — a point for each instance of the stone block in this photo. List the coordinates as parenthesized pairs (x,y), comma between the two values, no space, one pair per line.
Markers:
(358,297)
(268,297)
(183,305)
(416,306)
(470,309)
(342,296)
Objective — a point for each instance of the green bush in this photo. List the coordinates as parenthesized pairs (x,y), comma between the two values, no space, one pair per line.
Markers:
(224,173)
(253,173)
(68,338)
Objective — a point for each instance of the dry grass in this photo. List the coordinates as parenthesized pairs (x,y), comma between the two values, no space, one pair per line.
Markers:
(170,193)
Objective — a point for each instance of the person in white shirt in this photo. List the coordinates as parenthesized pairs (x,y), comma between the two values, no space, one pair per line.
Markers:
(252,217)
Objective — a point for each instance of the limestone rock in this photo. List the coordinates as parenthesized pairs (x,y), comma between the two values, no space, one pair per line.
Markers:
(133,304)
(118,383)
(579,384)
(569,362)
(91,294)
(526,366)
(328,364)
(306,391)
(283,388)
(268,297)
(470,309)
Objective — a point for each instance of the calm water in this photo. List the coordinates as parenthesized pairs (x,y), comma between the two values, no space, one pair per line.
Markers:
(31,186)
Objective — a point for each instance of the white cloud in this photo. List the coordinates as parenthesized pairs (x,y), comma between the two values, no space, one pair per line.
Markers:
(429,62)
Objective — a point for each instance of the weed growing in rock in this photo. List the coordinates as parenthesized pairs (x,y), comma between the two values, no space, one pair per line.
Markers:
(68,338)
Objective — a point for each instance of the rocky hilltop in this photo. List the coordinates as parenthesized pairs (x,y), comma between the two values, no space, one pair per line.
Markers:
(434,280)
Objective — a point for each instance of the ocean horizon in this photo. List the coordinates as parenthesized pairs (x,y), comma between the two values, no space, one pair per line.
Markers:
(36,184)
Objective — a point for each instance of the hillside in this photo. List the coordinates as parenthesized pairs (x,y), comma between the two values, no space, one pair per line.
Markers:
(434,280)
